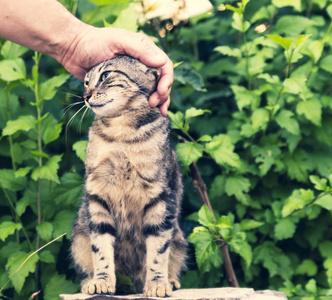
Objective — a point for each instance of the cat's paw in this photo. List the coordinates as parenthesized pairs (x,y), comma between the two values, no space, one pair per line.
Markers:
(157,289)
(99,286)
(175,283)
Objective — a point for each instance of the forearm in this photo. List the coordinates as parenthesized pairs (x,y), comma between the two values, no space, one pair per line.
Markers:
(42,25)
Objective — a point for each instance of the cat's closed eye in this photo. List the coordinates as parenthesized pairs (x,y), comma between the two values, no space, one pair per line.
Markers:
(104,75)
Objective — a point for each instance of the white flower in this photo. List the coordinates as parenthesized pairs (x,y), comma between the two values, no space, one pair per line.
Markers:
(193,8)
(177,10)
(162,9)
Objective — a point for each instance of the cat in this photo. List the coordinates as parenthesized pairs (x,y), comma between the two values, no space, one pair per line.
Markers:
(127,223)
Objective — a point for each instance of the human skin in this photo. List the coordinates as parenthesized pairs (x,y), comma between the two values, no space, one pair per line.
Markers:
(48,27)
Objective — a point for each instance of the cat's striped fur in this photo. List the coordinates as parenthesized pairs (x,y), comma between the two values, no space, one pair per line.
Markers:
(128,219)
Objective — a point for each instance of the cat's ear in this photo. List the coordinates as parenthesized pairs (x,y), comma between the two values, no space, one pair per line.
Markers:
(154,73)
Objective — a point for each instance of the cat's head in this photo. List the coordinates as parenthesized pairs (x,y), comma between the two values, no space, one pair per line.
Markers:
(112,85)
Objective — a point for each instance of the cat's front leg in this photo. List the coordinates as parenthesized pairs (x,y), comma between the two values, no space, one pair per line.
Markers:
(102,237)
(157,229)
(156,282)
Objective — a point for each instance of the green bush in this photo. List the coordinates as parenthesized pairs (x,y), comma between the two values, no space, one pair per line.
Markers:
(251,106)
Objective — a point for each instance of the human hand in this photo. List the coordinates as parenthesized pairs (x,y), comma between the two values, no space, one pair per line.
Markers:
(94,45)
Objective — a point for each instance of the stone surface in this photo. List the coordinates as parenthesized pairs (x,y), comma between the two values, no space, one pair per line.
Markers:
(193,294)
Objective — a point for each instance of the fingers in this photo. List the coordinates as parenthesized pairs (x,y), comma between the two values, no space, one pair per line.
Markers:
(163,105)
(142,47)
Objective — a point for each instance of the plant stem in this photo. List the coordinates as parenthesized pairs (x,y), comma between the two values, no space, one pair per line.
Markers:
(40,162)
(18,218)
(289,64)
(231,277)
(202,193)
(194,42)
(200,187)
(245,42)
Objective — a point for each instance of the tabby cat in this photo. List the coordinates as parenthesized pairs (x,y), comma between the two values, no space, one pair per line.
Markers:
(128,220)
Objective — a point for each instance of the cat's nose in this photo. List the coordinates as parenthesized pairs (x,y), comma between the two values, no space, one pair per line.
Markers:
(87,96)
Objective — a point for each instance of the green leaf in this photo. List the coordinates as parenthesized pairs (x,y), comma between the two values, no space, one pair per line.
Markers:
(223,222)
(273,79)
(218,186)
(273,260)
(48,171)
(45,230)
(307,267)
(46,256)
(246,253)
(239,23)
(311,286)
(325,248)
(259,119)
(298,164)
(296,84)
(226,50)
(69,191)
(50,129)
(293,3)
(176,119)
(284,42)
(205,138)
(238,10)
(80,149)
(244,97)
(194,112)
(237,185)
(221,150)
(21,172)
(266,157)
(12,69)
(59,285)
(240,246)
(326,63)
(39,154)
(11,50)
(297,201)
(314,50)
(325,201)
(10,182)
(123,280)
(247,224)
(189,152)
(186,74)
(21,206)
(312,110)
(320,183)
(205,246)
(63,223)
(329,10)
(285,120)
(284,229)
(302,38)
(205,216)
(8,228)
(127,19)
(24,123)
(47,89)
(14,263)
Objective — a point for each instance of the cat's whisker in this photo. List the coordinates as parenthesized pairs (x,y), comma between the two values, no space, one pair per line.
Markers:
(144,93)
(71,120)
(73,95)
(66,109)
(81,121)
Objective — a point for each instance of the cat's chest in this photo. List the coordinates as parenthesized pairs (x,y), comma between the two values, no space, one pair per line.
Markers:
(113,172)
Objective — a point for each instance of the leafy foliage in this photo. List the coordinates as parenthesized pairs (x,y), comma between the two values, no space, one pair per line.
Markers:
(251,106)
